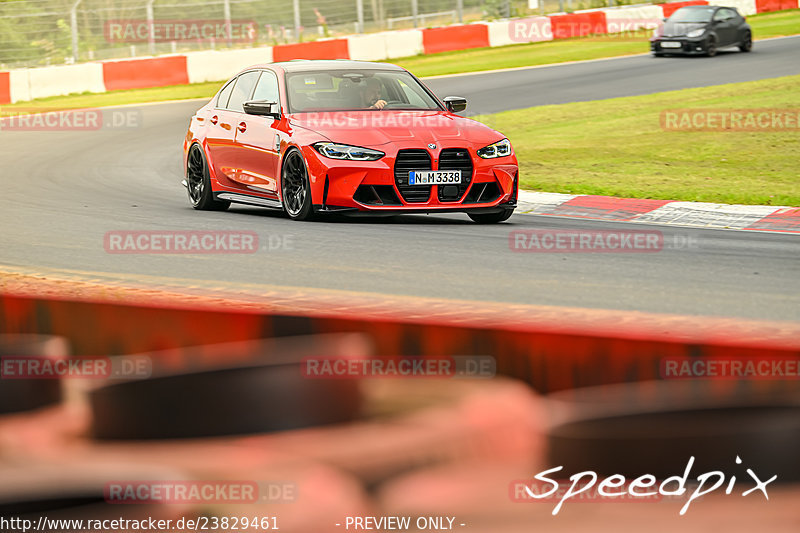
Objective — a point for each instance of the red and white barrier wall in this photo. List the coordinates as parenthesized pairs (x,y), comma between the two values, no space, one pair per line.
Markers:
(210,65)
(765,6)
(631,18)
(27,84)
(194,67)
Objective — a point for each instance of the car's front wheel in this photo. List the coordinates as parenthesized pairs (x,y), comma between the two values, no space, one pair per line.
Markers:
(295,187)
(198,182)
(747,43)
(711,47)
(491,218)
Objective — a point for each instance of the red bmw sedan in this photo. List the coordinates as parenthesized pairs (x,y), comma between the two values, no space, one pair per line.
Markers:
(313,137)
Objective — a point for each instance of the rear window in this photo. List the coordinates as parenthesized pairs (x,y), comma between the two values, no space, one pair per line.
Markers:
(224,95)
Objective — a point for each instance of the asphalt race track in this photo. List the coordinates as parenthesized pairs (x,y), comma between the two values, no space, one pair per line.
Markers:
(64,190)
(612,78)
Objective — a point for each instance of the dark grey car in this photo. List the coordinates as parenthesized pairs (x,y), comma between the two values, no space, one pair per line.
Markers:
(702,30)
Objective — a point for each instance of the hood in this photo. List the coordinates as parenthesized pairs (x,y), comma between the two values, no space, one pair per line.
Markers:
(376,128)
(679,29)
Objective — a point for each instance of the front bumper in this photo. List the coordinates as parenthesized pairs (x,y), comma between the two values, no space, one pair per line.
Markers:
(354,211)
(378,186)
(693,46)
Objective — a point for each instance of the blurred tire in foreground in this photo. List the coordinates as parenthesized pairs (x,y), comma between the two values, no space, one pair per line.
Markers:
(17,395)
(655,427)
(229,389)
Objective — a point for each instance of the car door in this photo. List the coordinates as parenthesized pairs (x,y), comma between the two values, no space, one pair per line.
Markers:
(737,22)
(223,127)
(724,27)
(257,141)
(220,132)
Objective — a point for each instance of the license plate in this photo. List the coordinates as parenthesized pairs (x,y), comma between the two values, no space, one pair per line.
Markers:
(434,177)
(670,44)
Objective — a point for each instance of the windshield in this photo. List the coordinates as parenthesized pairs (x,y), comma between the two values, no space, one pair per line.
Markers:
(692,14)
(348,90)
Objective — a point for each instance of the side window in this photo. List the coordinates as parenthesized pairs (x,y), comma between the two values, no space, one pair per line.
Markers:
(720,15)
(267,88)
(730,14)
(242,89)
(224,94)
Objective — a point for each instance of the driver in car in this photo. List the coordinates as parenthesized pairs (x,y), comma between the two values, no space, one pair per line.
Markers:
(371,94)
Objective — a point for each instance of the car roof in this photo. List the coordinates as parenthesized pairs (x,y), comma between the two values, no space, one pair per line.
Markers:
(306,65)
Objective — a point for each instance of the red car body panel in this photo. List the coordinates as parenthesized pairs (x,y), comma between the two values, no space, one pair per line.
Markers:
(245,152)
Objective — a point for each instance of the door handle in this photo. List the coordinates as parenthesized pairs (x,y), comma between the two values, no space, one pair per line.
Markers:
(242,127)
(214,119)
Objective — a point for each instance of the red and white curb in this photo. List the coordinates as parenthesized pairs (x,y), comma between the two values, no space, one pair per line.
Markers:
(668,212)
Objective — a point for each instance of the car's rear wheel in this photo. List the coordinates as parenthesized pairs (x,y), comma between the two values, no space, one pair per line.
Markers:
(491,218)
(747,43)
(295,187)
(711,47)
(198,182)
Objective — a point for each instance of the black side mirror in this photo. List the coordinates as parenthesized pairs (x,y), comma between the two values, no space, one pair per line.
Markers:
(455,103)
(262,108)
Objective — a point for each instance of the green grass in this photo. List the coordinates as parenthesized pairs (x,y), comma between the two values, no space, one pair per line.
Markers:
(617,147)
(517,55)
(775,24)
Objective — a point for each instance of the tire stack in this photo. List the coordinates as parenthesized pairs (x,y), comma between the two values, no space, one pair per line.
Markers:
(244,411)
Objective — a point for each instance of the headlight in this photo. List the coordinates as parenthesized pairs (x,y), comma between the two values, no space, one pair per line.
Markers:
(498,149)
(696,33)
(345,151)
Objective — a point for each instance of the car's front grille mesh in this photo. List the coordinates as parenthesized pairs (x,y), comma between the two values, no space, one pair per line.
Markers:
(456,159)
(408,160)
